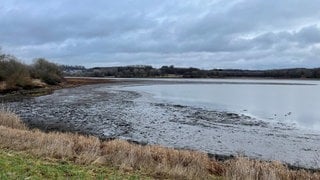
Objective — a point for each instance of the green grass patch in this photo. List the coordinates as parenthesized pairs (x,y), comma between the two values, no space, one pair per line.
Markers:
(16,165)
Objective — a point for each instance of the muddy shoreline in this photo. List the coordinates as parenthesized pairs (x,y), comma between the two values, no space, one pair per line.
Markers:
(68,82)
(108,112)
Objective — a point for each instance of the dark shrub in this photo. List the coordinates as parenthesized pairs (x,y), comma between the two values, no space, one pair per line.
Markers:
(48,72)
(14,72)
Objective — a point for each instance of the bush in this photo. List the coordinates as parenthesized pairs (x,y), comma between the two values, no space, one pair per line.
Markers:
(2,77)
(48,72)
(15,73)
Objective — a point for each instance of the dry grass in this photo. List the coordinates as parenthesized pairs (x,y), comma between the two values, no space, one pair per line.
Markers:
(76,81)
(38,83)
(3,85)
(157,161)
(160,160)
(243,168)
(11,120)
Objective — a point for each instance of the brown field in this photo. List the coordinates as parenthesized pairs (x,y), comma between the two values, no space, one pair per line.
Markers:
(158,162)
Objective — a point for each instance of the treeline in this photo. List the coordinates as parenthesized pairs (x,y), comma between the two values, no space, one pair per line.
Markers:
(16,75)
(171,71)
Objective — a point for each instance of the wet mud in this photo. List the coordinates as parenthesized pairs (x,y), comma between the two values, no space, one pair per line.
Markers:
(108,111)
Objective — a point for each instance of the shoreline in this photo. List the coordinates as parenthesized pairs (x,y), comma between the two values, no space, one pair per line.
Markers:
(71,82)
(17,95)
(181,78)
(125,127)
(154,161)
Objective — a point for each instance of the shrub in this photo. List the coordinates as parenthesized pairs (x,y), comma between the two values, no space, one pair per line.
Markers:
(15,73)
(2,57)
(48,72)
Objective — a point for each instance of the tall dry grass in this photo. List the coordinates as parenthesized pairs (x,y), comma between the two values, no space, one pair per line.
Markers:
(243,168)
(162,161)
(11,120)
(157,161)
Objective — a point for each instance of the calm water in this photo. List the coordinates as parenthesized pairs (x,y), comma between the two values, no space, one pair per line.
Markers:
(293,102)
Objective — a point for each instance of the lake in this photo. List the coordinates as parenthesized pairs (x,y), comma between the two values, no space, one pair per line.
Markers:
(264,119)
(295,102)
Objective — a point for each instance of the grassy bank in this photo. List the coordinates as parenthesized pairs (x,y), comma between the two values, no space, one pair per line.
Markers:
(87,153)
(19,165)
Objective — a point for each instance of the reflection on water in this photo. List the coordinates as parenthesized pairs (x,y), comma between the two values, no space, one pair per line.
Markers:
(295,102)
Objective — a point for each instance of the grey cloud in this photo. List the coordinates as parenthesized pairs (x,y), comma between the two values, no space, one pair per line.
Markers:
(309,34)
(35,30)
(203,33)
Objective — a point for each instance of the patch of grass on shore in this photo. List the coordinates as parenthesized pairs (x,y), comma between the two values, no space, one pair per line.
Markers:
(17,165)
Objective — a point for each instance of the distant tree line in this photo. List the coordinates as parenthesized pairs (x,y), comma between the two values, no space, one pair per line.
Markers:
(171,71)
(71,68)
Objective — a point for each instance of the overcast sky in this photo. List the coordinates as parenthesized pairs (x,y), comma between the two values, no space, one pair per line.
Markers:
(249,34)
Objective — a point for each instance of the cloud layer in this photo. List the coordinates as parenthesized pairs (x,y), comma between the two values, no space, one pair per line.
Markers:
(250,34)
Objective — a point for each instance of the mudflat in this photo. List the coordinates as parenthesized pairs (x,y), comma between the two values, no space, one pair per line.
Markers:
(109,111)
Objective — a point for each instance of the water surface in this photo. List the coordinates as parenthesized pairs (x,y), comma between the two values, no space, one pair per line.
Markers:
(191,114)
(295,102)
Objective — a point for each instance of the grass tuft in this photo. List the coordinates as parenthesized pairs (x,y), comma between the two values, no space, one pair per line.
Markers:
(243,168)
(11,120)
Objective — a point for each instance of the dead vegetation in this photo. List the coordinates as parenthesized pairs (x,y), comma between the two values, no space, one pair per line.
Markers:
(11,120)
(15,75)
(243,168)
(157,161)
(77,81)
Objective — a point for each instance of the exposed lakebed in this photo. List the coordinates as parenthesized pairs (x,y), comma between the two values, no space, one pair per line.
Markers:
(129,110)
